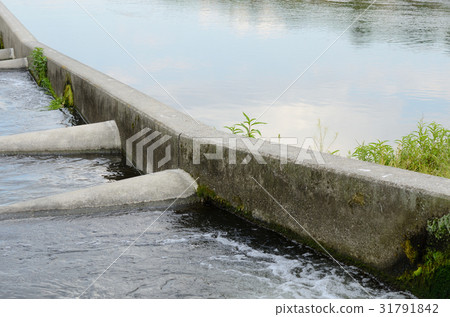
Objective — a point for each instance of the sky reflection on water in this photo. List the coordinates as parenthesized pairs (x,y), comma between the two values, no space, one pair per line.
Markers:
(219,58)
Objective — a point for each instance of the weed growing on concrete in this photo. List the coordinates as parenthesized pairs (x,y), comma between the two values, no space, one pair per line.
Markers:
(321,138)
(39,71)
(431,277)
(439,229)
(56,104)
(248,125)
(425,150)
(377,152)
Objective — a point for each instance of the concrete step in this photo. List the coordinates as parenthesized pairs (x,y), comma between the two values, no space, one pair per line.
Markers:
(162,189)
(18,63)
(100,137)
(7,53)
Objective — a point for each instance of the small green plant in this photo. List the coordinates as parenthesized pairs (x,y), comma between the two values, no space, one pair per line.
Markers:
(377,152)
(248,125)
(425,150)
(39,67)
(439,229)
(2,46)
(234,129)
(39,70)
(323,131)
(56,104)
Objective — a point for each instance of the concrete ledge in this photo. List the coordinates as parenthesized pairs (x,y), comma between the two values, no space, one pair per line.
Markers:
(101,137)
(19,63)
(166,186)
(7,53)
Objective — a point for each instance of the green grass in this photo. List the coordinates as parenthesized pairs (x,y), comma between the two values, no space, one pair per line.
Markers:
(56,104)
(38,69)
(425,150)
(431,277)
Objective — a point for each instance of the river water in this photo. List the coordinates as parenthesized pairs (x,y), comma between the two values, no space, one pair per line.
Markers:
(23,109)
(192,253)
(383,69)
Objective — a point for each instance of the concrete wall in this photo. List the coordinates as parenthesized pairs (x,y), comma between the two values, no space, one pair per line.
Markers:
(357,209)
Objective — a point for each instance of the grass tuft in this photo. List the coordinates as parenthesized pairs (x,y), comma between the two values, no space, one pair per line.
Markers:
(425,150)
(56,104)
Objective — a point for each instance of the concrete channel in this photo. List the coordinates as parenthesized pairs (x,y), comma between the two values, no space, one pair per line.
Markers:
(356,210)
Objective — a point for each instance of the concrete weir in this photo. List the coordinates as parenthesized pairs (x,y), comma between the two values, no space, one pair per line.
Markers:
(20,63)
(171,187)
(100,137)
(361,211)
(7,53)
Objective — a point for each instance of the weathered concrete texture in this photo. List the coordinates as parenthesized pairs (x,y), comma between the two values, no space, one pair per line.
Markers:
(174,187)
(361,210)
(7,53)
(18,63)
(13,33)
(101,137)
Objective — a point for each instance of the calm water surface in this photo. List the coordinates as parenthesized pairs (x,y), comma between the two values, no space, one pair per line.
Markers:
(388,68)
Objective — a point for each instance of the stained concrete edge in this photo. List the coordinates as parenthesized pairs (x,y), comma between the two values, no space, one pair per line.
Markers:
(100,137)
(19,63)
(6,53)
(174,186)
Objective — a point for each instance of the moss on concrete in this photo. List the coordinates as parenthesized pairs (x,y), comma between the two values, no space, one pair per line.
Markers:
(430,278)
(68,96)
(2,45)
(410,252)
(357,199)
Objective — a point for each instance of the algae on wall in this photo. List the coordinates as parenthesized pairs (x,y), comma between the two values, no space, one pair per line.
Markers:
(2,45)
(431,276)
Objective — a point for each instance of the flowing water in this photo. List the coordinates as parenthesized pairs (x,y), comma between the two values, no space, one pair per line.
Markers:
(23,108)
(192,253)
